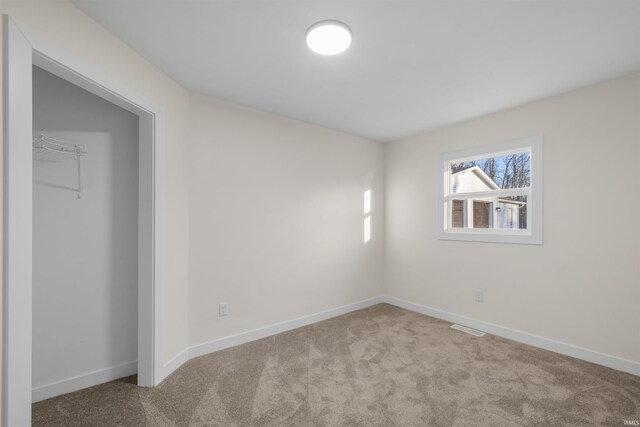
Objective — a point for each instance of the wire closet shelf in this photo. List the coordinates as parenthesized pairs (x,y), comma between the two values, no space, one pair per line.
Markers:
(50,149)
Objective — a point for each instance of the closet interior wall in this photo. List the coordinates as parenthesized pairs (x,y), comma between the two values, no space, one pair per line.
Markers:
(85,249)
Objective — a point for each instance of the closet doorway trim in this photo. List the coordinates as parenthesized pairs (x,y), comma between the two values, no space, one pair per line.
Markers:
(24,48)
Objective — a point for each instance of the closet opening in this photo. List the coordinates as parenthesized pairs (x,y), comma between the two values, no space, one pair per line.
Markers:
(68,178)
(85,238)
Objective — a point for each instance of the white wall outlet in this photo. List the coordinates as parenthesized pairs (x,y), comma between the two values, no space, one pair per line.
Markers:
(222,309)
(478,296)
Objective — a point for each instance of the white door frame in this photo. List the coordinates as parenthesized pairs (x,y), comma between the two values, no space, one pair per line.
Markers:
(22,49)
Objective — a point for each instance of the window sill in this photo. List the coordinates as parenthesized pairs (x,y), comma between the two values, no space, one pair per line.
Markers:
(494,236)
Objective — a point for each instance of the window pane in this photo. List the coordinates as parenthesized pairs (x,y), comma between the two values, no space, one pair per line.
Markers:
(457,213)
(481,214)
(510,171)
(496,213)
(512,212)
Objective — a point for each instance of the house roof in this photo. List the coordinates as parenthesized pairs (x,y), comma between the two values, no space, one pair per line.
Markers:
(486,179)
(481,175)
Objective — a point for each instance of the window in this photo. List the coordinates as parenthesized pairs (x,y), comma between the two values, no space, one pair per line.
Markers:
(492,194)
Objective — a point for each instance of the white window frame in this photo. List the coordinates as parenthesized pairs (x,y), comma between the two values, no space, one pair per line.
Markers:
(533,235)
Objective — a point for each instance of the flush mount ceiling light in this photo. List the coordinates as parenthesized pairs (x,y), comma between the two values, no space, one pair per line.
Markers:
(328,37)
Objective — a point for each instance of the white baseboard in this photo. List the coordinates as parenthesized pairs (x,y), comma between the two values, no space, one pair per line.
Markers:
(83,381)
(177,361)
(556,346)
(101,376)
(512,334)
(267,331)
(256,334)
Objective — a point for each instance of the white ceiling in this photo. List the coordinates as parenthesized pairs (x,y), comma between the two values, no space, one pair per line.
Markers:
(412,66)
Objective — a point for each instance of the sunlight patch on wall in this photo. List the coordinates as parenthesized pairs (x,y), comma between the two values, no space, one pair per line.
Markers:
(367,201)
(367,229)
(367,218)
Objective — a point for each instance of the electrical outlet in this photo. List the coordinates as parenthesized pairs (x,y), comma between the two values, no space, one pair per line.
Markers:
(222,309)
(478,296)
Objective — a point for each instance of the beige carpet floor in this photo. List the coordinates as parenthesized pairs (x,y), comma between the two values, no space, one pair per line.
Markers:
(381,366)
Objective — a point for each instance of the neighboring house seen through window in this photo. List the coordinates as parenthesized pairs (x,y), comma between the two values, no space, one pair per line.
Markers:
(493,194)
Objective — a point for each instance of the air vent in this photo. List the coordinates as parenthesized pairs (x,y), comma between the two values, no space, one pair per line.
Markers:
(473,332)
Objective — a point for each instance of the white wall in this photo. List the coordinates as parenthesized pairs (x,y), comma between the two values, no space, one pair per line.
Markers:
(85,251)
(276,215)
(582,286)
(67,27)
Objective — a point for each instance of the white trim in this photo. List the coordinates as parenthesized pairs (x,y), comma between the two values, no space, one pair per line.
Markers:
(494,150)
(267,331)
(79,382)
(177,361)
(534,233)
(58,61)
(581,353)
(16,393)
(506,192)
(16,407)
(68,66)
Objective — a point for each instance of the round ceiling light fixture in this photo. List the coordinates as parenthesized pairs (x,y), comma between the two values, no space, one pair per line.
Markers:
(329,37)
